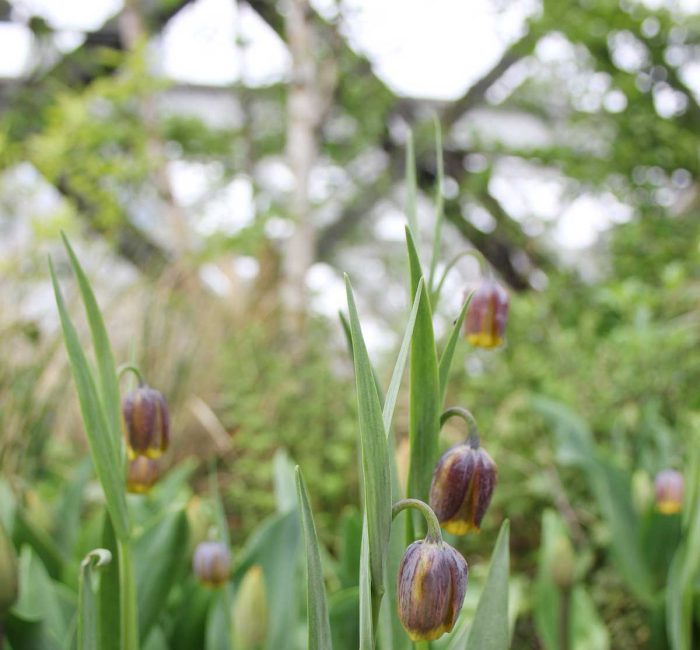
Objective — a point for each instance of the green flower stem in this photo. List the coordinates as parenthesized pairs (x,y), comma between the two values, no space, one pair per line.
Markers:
(434,534)
(460,412)
(484,267)
(129,367)
(127,598)
(422,645)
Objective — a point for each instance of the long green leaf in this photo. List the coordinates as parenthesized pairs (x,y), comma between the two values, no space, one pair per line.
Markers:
(319,629)
(449,351)
(88,619)
(395,383)
(489,631)
(96,428)
(424,423)
(109,606)
(107,382)
(375,453)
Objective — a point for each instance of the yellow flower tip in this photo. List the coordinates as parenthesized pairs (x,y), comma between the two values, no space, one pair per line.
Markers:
(138,488)
(484,340)
(459,527)
(669,507)
(429,635)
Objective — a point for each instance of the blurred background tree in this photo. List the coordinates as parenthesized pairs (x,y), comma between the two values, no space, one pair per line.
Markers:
(217,221)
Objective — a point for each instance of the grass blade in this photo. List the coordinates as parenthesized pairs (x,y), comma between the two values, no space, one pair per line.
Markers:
(107,382)
(98,434)
(489,631)
(395,383)
(375,453)
(319,628)
(449,351)
(88,626)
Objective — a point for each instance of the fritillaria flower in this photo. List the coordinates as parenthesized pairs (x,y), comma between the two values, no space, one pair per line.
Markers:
(212,563)
(487,314)
(668,486)
(462,487)
(147,422)
(432,582)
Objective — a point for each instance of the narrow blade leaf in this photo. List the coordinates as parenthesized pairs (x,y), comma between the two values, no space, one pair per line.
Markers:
(319,629)
(107,382)
(98,434)
(375,454)
(489,631)
(424,423)
(395,383)
(449,352)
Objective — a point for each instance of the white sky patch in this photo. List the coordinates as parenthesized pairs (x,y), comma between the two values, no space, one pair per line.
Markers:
(81,15)
(429,49)
(587,217)
(15,47)
(200,46)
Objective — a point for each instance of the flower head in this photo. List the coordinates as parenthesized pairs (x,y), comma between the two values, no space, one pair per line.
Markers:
(669,491)
(432,582)
(212,563)
(486,317)
(463,483)
(147,422)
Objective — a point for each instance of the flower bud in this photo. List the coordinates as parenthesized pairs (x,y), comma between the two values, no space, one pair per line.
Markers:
(141,475)
(147,422)
(463,483)
(563,564)
(669,491)
(212,563)
(487,315)
(250,611)
(9,573)
(431,586)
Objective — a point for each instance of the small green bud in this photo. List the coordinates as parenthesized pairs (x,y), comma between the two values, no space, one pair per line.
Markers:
(142,474)
(486,318)
(669,491)
(463,484)
(9,573)
(563,564)
(250,611)
(147,422)
(432,582)
(642,491)
(212,563)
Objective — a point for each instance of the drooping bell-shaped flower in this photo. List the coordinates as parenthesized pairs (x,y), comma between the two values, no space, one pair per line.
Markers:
(212,563)
(463,484)
(147,422)
(668,486)
(432,582)
(485,322)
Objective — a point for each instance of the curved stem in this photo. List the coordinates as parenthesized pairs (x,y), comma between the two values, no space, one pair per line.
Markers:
(472,252)
(465,414)
(128,367)
(434,534)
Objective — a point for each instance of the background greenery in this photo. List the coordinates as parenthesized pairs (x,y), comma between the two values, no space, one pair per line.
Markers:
(608,332)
